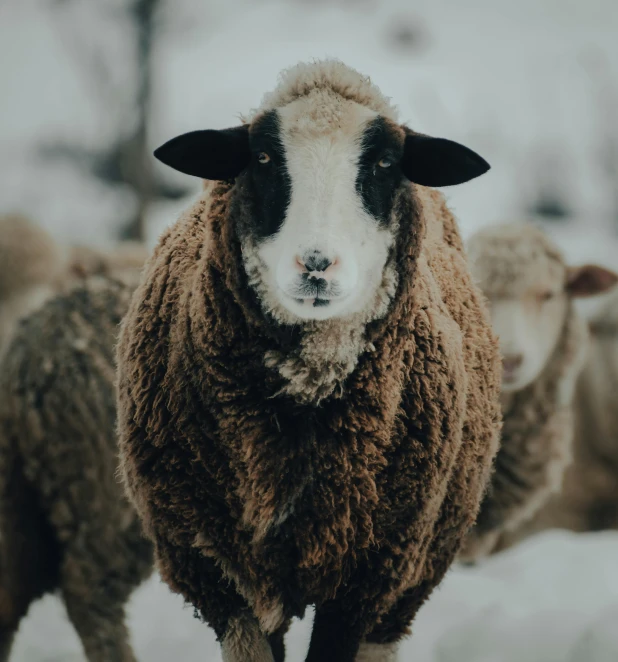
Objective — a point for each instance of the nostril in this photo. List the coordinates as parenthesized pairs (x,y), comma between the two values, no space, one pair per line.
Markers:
(316,262)
(512,361)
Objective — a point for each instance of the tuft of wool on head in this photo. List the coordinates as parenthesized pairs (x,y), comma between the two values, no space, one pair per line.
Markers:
(512,258)
(325,79)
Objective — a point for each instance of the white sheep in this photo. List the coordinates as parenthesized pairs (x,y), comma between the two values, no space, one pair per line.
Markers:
(543,342)
(588,500)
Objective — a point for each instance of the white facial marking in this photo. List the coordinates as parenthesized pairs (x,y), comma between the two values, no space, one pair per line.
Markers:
(328,257)
(529,329)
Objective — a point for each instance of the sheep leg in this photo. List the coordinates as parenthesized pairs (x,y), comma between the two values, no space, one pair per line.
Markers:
(244,641)
(335,637)
(95,601)
(369,652)
(200,580)
(277,643)
(101,628)
(29,556)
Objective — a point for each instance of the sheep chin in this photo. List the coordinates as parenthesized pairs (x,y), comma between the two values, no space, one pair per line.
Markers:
(330,349)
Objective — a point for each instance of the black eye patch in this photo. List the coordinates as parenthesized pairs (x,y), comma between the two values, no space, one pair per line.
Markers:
(375,184)
(265,136)
(268,179)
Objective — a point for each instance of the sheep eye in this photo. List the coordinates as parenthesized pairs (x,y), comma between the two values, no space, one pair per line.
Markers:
(385,163)
(263,157)
(545,296)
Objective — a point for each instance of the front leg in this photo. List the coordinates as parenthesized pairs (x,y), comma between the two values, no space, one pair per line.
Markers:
(244,641)
(336,637)
(369,652)
(277,642)
(202,583)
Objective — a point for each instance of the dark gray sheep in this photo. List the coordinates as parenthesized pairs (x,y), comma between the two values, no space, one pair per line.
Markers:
(65,522)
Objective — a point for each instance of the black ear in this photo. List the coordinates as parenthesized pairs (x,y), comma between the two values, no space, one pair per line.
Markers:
(440,162)
(208,154)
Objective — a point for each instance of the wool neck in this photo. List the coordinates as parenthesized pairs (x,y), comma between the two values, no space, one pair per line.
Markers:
(312,358)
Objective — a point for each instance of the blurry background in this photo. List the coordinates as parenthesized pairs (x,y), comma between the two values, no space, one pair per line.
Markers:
(88,88)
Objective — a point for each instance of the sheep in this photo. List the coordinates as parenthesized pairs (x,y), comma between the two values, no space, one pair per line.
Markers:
(34,267)
(588,499)
(122,261)
(308,381)
(31,265)
(64,519)
(543,342)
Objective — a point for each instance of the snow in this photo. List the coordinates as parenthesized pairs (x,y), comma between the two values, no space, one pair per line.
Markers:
(531,85)
(552,599)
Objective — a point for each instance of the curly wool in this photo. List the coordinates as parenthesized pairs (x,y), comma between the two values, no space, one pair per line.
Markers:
(537,432)
(402,456)
(325,79)
(64,519)
(261,502)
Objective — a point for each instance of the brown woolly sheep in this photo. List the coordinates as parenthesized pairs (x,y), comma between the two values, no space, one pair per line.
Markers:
(588,500)
(64,519)
(33,267)
(543,342)
(308,381)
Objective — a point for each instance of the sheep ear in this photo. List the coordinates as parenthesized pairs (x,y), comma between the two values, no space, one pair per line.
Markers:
(209,154)
(439,162)
(589,280)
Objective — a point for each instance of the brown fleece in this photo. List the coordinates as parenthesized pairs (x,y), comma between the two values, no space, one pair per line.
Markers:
(537,432)
(256,501)
(64,520)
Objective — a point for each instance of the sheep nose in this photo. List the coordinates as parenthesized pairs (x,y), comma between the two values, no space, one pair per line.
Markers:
(315,262)
(512,361)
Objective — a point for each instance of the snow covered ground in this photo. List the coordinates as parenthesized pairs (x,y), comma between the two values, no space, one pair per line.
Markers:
(532,85)
(553,599)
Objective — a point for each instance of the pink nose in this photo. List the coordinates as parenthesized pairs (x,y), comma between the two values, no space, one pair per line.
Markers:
(512,361)
(315,263)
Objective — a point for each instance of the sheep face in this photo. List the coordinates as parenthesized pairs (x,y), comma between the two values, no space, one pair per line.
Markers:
(529,327)
(323,227)
(312,204)
(530,291)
